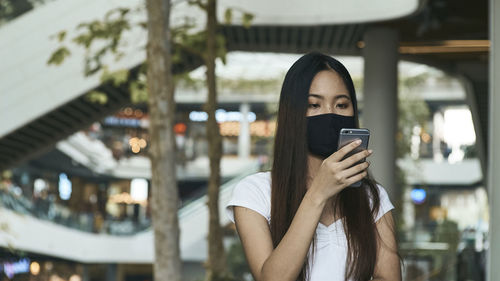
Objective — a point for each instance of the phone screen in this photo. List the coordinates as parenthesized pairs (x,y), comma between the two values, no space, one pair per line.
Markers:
(348,135)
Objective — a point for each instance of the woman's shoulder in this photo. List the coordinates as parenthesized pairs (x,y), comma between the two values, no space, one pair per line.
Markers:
(382,192)
(253,192)
(385,202)
(259,182)
(262,179)
(380,189)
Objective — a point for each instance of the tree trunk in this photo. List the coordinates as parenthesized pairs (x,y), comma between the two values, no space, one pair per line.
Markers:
(167,265)
(216,263)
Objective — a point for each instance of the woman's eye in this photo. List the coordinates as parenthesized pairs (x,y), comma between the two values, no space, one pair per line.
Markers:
(313,105)
(342,105)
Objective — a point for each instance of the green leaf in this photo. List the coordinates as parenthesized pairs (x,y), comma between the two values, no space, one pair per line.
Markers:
(177,56)
(124,11)
(202,5)
(58,56)
(84,40)
(97,97)
(221,47)
(138,92)
(228,16)
(92,66)
(61,35)
(247,19)
(116,77)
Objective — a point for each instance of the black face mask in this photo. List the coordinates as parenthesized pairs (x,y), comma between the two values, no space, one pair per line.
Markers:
(323,132)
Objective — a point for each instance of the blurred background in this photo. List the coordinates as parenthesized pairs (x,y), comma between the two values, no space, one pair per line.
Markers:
(75,176)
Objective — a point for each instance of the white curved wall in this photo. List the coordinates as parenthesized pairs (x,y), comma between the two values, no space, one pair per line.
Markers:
(29,87)
(30,234)
(317,12)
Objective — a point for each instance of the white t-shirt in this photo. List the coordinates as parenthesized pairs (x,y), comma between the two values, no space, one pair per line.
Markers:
(254,192)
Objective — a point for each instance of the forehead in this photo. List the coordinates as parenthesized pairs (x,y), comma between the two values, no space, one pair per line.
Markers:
(328,82)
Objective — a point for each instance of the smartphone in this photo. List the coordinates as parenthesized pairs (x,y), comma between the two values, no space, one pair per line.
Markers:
(348,135)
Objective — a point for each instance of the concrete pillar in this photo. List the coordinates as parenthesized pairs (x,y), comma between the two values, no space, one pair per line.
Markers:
(111,272)
(85,273)
(114,272)
(437,136)
(471,94)
(493,270)
(380,104)
(244,137)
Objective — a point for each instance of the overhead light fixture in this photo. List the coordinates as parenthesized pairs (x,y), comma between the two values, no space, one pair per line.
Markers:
(35,268)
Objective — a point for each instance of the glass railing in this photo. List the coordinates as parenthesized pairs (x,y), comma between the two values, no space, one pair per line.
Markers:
(46,209)
(441,251)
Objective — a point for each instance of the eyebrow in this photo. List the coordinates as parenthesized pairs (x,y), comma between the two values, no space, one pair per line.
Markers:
(335,98)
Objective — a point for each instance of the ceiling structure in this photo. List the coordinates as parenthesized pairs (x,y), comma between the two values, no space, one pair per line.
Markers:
(449,34)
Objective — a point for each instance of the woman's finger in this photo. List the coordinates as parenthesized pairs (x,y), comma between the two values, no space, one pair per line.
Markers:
(339,154)
(353,159)
(356,178)
(356,169)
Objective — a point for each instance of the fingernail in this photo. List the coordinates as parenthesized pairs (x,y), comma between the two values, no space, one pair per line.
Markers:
(370,151)
(358,142)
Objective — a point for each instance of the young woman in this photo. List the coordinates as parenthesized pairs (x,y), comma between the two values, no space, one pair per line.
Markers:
(302,220)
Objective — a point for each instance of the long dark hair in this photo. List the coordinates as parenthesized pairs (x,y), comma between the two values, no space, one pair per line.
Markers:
(289,171)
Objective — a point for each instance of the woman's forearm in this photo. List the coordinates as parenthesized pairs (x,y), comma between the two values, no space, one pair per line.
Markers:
(286,261)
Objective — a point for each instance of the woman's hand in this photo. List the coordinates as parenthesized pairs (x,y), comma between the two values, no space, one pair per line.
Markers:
(336,174)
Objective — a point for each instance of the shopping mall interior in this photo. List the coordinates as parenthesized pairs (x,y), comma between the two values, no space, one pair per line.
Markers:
(75,176)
